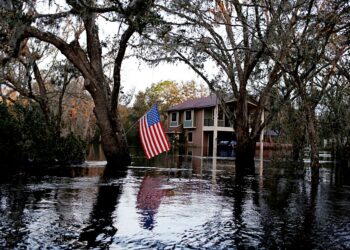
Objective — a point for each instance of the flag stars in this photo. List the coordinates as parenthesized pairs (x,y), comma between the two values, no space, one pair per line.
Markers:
(153,116)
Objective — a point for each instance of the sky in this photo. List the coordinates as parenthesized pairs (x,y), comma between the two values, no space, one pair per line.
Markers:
(137,76)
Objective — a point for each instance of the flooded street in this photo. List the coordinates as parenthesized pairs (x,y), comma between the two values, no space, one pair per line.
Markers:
(199,204)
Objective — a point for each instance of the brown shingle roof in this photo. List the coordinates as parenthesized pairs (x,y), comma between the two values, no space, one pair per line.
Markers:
(204,102)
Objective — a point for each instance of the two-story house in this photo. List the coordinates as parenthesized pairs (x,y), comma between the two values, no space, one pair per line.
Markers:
(203,123)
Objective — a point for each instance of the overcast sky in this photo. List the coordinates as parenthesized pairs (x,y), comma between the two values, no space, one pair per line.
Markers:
(142,76)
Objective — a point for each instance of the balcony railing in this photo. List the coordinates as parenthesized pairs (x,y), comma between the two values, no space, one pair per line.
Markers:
(208,122)
(189,124)
(173,124)
(223,123)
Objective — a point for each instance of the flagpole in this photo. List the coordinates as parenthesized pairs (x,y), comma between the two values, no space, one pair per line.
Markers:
(132,126)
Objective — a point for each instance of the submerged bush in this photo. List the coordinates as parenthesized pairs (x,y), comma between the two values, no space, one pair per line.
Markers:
(9,137)
(25,137)
(70,149)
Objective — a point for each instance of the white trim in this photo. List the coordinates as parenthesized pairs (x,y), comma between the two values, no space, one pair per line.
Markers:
(171,119)
(189,141)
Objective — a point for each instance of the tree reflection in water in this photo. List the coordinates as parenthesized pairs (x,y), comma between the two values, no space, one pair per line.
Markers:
(101,230)
(14,200)
(14,208)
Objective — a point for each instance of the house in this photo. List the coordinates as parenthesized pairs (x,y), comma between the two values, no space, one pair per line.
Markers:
(202,122)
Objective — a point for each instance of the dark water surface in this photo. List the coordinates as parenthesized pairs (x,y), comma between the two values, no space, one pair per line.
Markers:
(200,204)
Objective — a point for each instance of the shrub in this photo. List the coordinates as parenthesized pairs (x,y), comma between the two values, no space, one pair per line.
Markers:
(10,137)
(70,149)
(25,136)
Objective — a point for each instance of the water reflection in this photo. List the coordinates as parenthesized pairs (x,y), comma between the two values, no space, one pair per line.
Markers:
(95,153)
(13,202)
(198,204)
(100,228)
(149,197)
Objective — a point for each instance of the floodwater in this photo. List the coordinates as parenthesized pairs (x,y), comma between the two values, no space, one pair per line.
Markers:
(193,204)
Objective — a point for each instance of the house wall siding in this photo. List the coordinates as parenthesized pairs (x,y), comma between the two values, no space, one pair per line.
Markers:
(197,132)
(199,129)
(205,144)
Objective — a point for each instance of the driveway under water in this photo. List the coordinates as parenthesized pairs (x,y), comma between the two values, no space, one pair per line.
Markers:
(200,204)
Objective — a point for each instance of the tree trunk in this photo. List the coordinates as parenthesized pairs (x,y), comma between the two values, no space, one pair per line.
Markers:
(245,149)
(313,137)
(298,144)
(114,143)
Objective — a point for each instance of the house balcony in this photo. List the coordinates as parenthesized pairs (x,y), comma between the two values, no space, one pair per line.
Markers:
(223,125)
(208,122)
(189,124)
(174,124)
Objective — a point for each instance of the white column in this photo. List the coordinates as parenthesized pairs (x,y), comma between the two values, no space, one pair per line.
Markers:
(215,131)
(262,145)
(213,171)
(202,133)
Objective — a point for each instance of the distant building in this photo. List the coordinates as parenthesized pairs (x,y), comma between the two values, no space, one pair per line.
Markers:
(202,121)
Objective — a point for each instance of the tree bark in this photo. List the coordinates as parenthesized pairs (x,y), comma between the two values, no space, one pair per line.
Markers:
(113,139)
(245,149)
(313,137)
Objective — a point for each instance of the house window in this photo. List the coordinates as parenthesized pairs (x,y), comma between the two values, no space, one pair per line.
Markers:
(189,137)
(208,117)
(188,115)
(220,113)
(189,119)
(174,119)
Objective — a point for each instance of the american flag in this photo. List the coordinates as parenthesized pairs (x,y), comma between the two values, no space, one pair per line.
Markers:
(153,138)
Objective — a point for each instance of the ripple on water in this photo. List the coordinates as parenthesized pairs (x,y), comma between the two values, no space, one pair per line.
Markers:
(203,210)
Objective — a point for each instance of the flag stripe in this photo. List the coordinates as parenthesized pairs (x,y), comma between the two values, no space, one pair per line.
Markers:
(159,138)
(150,139)
(142,140)
(164,138)
(149,151)
(155,139)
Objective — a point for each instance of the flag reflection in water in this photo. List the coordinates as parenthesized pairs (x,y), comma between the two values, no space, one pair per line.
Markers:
(149,198)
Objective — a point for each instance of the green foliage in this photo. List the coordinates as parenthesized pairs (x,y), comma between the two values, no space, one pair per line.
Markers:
(25,137)
(37,138)
(70,149)
(9,136)
(166,94)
